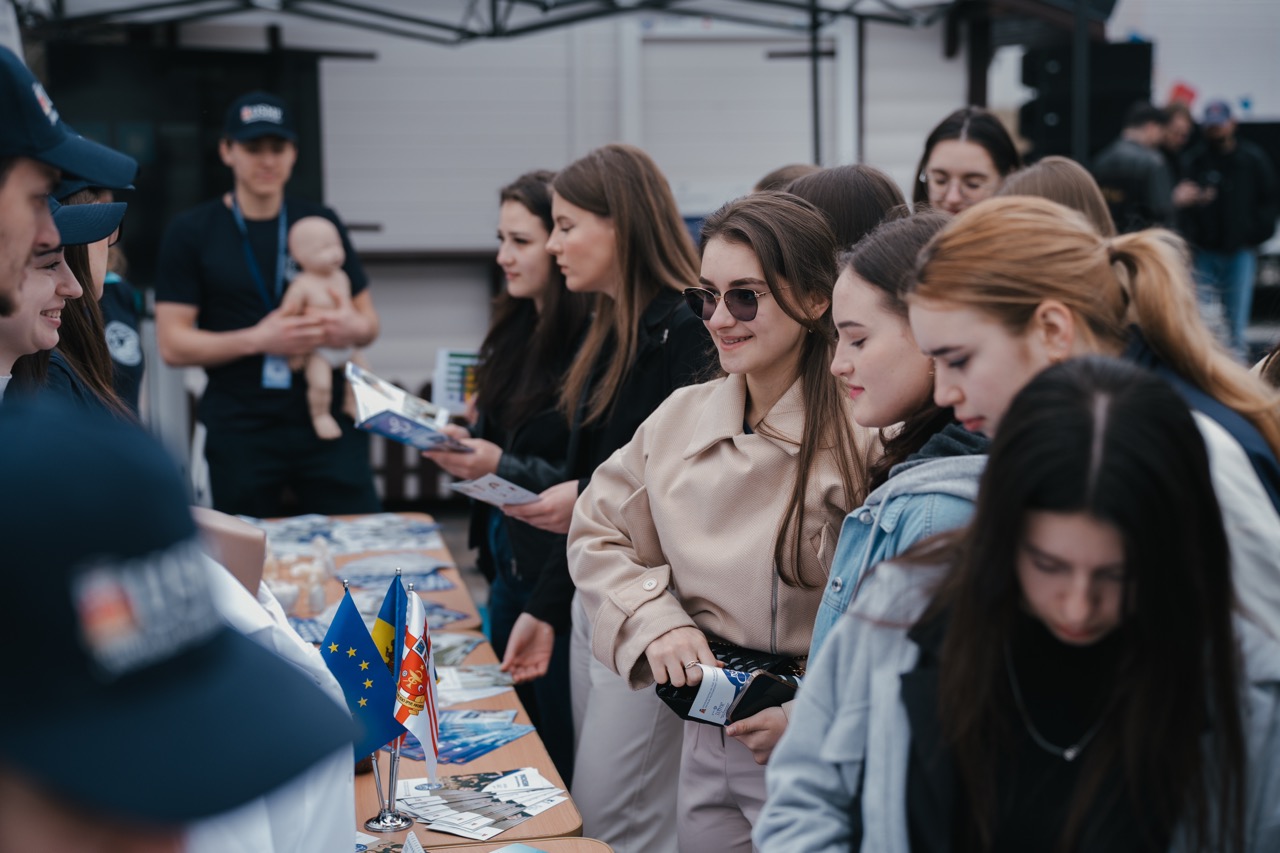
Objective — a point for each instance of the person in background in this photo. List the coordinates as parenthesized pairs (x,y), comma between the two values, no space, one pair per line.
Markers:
(1178,130)
(36,147)
(966,158)
(123,308)
(926,478)
(186,718)
(521,435)
(1020,283)
(1068,183)
(1235,213)
(855,199)
(222,270)
(769,458)
(780,177)
(1132,174)
(1065,674)
(618,235)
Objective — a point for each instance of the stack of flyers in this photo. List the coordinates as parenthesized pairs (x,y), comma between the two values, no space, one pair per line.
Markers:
(385,531)
(492,489)
(468,735)
(457,684)
(415,568)
(452,649)
(479,805)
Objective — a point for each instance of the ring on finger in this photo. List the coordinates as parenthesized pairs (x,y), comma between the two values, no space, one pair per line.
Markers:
(691,664)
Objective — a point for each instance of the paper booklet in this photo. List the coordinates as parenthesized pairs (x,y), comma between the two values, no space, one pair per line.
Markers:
(492,489)
(398,415)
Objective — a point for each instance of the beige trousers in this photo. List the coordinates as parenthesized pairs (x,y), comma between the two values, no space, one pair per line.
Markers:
(721,792)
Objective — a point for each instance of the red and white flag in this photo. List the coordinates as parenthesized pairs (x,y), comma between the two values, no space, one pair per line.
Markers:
(416,689)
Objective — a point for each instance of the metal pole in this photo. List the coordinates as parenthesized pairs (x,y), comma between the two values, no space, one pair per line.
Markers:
(814,92)
(1080,85)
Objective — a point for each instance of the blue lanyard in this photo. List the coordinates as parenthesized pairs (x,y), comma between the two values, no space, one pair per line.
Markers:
(282,252)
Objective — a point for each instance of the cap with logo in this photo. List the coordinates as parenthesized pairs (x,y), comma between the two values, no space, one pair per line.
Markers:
(124,691)
(1217,113)
(259,114)
(31,127)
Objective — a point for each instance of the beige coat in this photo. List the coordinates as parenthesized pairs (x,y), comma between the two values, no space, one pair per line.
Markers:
(678,527)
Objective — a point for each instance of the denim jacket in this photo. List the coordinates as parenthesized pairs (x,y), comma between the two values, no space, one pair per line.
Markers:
(929,493)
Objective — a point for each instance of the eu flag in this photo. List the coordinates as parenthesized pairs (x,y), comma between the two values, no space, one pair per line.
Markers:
(388,628)
(352,657)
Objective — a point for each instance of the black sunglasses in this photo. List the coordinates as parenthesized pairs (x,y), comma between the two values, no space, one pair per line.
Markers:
(742,303)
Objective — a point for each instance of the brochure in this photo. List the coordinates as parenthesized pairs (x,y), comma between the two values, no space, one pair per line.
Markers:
(398,415)
(453,383)
(492,489)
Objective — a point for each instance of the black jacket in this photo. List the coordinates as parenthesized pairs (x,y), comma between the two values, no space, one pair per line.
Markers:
(1248,199)
(674,350)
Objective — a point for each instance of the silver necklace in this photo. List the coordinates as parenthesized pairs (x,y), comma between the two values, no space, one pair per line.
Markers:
(1071,752)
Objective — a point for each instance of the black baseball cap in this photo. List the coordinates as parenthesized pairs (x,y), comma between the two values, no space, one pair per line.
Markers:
(259,114)
(79,224)
(125,692)
(31,127)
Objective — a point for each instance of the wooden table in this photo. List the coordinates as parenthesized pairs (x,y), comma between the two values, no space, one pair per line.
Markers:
(528,751)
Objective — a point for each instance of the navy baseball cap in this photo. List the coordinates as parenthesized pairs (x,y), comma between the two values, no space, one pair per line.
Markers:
(31,127)
(259,114)
(1217,113)
(79,224)
(125,692)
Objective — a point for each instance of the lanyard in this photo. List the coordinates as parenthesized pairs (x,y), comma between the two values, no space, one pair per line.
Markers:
(282,252)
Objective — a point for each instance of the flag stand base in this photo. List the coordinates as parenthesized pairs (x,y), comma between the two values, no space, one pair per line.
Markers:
(388,821)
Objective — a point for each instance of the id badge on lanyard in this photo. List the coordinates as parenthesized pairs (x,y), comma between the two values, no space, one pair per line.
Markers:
(276,374)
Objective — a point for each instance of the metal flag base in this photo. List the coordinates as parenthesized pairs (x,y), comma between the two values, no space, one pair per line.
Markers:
(388,821)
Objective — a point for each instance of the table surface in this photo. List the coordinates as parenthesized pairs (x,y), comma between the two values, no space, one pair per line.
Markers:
(528,751)
(545,845)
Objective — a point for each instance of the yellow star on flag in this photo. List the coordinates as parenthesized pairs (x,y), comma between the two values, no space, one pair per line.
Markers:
(368,683)
(364,702)
(364,664)
(351,653)
(333,647)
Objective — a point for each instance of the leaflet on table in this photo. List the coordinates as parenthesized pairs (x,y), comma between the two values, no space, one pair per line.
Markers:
(478,805)
(398,415)
(492,489)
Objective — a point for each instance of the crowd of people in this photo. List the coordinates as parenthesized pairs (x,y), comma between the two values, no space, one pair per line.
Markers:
(974,465)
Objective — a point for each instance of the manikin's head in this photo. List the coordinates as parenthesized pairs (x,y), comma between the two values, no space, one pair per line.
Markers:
(316,246)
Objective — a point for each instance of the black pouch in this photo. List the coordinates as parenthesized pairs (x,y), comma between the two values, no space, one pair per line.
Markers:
(770,680)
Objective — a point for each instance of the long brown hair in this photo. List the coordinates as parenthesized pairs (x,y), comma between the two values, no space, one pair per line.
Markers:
(525,352)
(1006,256)
(653,252)
(796,249)
(1103,437)
(886,259)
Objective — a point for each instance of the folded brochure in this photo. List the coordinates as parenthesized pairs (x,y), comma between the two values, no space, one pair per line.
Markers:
(493,489)
(398,415)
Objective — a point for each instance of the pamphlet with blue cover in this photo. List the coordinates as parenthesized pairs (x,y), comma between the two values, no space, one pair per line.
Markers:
(398,415)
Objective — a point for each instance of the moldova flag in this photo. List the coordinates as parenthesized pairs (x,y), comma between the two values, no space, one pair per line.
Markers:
(388,629)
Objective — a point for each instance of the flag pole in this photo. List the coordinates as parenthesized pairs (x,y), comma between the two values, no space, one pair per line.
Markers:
(388,819)
(395,751)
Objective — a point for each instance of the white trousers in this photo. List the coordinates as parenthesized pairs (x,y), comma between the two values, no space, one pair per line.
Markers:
(628,754)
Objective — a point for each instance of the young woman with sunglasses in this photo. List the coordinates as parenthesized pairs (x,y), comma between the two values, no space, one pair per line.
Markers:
(1018,283)
(521,436)
(965,159)
(927,477)
(719,518)
(1063,675)
(617,235)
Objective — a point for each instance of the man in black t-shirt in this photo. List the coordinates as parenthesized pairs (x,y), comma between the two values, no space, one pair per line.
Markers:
(223,268)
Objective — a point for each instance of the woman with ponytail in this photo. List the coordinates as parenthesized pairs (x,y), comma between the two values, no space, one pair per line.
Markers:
(925,480)
(1016,284)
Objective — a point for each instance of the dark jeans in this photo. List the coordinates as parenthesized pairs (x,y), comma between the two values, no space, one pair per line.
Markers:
(547,698)
(287,470)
